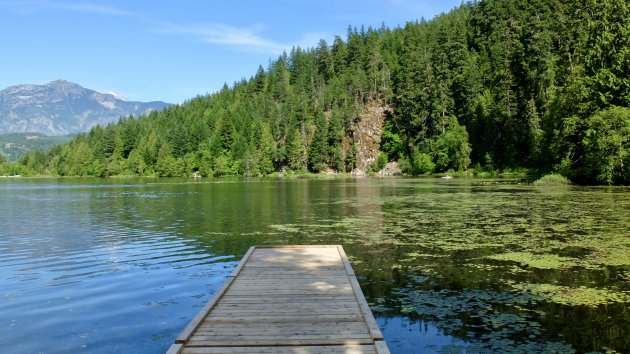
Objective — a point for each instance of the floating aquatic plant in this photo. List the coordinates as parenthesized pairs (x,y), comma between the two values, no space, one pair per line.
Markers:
(540,261)
(286,228)
(488,320)
(543,252)
(573,296)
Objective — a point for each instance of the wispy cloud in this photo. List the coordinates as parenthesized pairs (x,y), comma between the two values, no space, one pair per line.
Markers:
(34,6)
(247,39)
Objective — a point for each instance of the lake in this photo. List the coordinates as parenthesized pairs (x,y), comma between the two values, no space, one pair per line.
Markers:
(448,266)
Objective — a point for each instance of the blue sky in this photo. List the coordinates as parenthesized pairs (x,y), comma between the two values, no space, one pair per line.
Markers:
(175,50)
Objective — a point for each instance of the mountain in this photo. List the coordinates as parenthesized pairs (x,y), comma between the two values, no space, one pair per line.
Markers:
(502,85)
(62,107)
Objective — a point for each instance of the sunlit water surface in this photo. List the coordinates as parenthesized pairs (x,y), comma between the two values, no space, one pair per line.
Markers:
(457,266)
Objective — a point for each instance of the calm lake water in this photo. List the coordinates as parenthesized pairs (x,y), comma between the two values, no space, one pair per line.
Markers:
(448,266)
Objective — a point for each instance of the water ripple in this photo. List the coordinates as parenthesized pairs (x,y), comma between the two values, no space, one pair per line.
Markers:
(81,271)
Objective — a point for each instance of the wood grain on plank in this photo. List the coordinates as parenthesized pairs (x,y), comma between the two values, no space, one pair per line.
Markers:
(286,299)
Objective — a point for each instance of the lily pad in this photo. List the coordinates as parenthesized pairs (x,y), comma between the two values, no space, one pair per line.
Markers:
(540,261)
(573,296)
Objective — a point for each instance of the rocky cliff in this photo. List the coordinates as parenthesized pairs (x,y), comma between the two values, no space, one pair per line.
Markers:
(367,135)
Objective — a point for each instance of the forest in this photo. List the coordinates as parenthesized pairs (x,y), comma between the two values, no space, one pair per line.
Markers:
(541,86)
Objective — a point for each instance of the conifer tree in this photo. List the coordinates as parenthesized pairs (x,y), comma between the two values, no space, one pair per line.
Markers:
(318,149)
(496,84)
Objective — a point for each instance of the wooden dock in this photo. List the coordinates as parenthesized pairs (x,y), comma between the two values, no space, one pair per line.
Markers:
(286,299)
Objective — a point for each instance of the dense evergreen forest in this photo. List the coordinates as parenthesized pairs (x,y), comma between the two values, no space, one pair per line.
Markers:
(542,85)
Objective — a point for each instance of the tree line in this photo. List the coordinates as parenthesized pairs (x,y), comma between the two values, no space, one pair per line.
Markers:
(541,84)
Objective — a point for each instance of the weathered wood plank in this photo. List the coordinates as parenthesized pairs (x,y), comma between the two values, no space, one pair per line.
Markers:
(339,290)
(339,349)
(357,333)
(302,248)
(175,349)
(367,313)
(275,337)
(266,332)
(276,342)
(286,299)
(292,282)
(201,315)
(291,311)
(381,347)
(346,263)
(339,302)
(243,261)
(263,277)
(303,306)
(296,324)
(287,318)
(287,308)
(310,287)
(231,328)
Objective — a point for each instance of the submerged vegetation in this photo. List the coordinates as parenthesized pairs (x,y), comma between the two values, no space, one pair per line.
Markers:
(540,261)
(504,268)
(488,266)
(491,85)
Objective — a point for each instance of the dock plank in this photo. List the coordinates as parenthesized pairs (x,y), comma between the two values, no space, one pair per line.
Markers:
(345,349)
(286,299)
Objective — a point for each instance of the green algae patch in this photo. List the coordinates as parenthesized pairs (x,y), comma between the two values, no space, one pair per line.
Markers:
(540,261)
(573,296)
(412,255)
(292,228)
(490,321)
(608,251)
(471,252)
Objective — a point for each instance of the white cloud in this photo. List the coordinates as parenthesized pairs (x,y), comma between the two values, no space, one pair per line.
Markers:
(32,6)
(245,39)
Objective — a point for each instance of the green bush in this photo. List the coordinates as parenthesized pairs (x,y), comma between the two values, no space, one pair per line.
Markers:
(553,179)
(607,147)
(381,161)
(422,163)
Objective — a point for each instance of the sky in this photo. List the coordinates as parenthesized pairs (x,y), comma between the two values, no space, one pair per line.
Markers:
(175,50)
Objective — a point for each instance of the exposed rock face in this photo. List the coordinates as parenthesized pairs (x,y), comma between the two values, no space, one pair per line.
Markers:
(367,135)
(390,169)
(62,107)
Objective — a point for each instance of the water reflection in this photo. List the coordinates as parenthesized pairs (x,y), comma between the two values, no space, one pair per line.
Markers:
(123,265)
(407,336)
(83,268)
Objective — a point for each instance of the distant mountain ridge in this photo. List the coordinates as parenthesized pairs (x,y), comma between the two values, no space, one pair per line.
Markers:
(61,107)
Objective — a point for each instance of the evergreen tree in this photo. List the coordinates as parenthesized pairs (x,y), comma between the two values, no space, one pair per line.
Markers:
(317,150)
(498,84)
(266,150)
(335,137)
(297,154)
